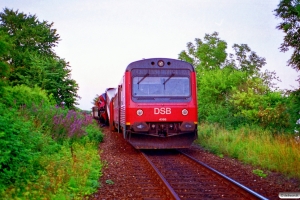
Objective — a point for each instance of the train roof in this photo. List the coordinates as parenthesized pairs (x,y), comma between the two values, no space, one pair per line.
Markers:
(165,63)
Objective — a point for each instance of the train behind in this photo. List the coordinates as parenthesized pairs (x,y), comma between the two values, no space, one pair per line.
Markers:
(154,105)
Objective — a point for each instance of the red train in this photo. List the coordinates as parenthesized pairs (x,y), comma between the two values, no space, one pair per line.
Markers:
(155,104)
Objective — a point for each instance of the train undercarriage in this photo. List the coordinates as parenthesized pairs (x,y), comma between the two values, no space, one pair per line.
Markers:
(142,135)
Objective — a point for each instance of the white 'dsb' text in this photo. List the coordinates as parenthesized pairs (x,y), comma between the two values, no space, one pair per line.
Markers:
(163,111)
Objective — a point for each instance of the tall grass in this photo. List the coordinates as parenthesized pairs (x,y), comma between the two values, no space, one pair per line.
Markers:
(46,152)
(64,176)
(280,153)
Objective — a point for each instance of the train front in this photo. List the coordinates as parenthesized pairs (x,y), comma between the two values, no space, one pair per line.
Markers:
(162,104)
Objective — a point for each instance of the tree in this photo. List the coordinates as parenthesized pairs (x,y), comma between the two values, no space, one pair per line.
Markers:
(28,36)
(54,76)
(232,90)
(207,54)
(246,60)
(5,47)
(289,12)
(32,59)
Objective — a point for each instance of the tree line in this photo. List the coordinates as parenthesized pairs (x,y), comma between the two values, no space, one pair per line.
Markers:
(233,90)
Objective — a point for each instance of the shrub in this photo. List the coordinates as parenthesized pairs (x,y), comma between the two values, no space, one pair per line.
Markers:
(40,144)
(93,133)
(22,95)
(19,144)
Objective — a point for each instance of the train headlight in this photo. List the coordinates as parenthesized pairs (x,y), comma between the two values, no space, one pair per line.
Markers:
(160,63)
(139,112)
(185,111)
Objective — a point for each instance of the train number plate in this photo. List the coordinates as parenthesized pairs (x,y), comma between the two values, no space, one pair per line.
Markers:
(162,119)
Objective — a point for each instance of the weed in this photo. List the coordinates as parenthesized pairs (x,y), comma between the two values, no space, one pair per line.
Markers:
(259,173)
(221,155)
(109,182)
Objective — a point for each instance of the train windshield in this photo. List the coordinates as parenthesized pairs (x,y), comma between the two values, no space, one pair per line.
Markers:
(167,86)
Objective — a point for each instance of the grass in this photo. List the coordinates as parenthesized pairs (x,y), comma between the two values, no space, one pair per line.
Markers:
(280,153)
(65,176)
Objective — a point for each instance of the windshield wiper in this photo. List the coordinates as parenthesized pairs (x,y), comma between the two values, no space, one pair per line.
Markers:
(168,80)
(142,80)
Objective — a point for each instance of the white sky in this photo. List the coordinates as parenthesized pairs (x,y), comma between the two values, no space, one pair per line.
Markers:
(101,37)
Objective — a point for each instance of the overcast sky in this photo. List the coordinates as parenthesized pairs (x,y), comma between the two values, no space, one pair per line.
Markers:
(101,37)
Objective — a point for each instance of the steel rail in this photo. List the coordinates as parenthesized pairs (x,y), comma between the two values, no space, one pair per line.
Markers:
(244,188)
(166,183)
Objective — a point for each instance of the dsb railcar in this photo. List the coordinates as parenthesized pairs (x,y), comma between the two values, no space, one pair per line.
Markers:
(155,104)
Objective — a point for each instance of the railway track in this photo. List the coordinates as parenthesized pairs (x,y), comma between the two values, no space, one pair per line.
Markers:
(128,175)
(184,177)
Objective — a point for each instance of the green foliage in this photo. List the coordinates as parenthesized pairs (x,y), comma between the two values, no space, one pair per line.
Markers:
(259,173)
(93,133)
(63,175)
(28,35)
(232,91)
(22,96)
(109,182)
(207,54)
(289,12)
(215,85)
(19,147)
(254,101)
(32,59)
(246,60)
(21,140)
(293,104)
(54,75)
(253,145)
(46,151)
(5,47)
(35,162)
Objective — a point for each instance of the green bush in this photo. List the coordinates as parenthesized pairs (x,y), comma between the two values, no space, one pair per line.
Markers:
(42,145)
(24,96)
(19,152)
(93,133)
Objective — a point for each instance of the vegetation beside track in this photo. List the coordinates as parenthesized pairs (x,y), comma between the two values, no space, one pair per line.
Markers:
(48,147)
(255,146)
(46,151)
(242,114)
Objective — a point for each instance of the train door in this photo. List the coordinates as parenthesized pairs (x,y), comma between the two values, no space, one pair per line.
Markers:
(122,108)
(119,107)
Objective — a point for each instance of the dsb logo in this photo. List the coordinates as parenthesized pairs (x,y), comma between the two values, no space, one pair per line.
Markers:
(162,111)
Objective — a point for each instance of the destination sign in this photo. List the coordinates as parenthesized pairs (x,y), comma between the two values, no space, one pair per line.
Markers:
(160,72)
